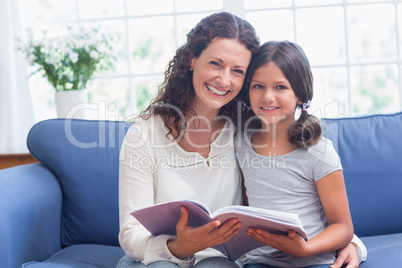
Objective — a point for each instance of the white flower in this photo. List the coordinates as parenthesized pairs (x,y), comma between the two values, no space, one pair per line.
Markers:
(24,48)
(44,51)
(29,33)
(68,40)
(31,58)
(94,54)
(50,47)
(103,50)
(36,42)
(79,43)
(92,41)
(53,61)
(73,56)
(64,50)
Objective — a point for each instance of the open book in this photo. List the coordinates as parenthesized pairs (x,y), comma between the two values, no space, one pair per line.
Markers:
(162,219)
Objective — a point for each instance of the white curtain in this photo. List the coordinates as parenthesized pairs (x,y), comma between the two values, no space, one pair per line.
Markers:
(16,109)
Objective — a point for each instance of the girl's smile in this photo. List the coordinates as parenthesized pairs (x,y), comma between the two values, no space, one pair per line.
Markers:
(268,109)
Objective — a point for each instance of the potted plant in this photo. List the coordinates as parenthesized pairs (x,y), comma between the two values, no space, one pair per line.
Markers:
(70,61)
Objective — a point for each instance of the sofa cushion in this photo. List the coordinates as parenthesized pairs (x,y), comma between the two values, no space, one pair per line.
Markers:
(383,251)
(82,256)
(84,156)
(370,152)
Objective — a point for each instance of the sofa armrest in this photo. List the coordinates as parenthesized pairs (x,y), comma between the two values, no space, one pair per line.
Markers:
(30,221)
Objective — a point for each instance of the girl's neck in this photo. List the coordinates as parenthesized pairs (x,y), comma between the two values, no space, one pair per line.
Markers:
(272,139)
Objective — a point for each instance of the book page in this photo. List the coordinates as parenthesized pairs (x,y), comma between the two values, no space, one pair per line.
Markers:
(285,217)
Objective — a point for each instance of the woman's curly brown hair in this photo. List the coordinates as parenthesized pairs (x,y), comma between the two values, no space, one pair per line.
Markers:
(176,93)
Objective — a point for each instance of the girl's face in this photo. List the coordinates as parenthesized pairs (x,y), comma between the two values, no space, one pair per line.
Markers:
(218,74)
(272,98)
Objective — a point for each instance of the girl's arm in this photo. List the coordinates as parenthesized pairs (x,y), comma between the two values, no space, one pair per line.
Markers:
(332,193)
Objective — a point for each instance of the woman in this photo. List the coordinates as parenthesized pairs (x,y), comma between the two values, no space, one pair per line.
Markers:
(180,148)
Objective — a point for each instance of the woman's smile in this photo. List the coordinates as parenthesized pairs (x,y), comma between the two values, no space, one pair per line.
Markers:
(216,91)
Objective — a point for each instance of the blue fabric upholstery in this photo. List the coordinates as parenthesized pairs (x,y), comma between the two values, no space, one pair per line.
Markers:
(84,156)
(83,256)
(64,211)
(30,206)
(383,251)
(370,149)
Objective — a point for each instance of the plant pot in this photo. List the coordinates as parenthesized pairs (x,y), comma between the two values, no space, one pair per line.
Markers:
(72,104)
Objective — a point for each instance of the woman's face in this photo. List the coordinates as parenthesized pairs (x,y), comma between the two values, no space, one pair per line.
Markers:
(218,74)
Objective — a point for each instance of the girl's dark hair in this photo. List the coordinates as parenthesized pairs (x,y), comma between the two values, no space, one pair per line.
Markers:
(291,59)
(176,94)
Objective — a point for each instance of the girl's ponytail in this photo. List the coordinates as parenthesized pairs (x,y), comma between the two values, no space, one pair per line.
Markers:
(306,130)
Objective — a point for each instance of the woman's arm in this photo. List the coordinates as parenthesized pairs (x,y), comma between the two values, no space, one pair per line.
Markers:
(136,190)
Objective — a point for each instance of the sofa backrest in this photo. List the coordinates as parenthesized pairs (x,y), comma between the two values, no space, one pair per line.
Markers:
(84,156)
(370,148)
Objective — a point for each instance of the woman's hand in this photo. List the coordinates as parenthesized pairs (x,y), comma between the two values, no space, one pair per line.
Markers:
(191,240)
(293,244)
(347,256)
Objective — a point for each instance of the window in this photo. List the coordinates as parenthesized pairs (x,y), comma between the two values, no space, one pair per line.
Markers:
(353,46)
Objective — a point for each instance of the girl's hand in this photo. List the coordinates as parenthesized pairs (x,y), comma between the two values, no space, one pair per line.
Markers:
(293,244)
(347,256)
(191,240)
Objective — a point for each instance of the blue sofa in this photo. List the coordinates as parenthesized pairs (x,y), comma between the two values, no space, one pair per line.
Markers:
(63,212)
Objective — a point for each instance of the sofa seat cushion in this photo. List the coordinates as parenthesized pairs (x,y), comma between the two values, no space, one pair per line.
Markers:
(82,256)
(383,251)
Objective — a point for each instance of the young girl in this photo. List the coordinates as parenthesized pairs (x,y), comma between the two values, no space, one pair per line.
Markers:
(287,165)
